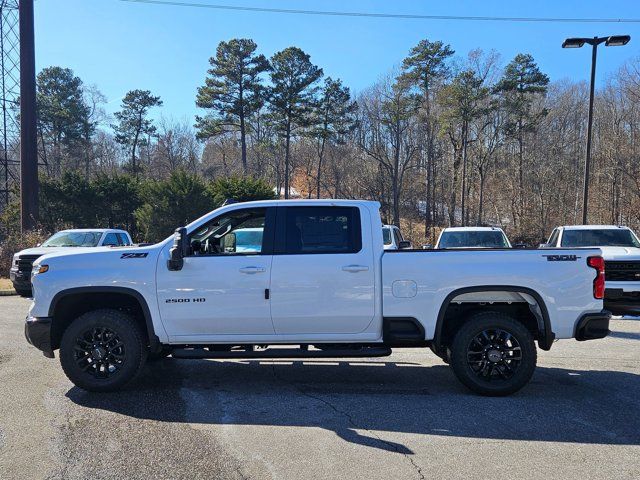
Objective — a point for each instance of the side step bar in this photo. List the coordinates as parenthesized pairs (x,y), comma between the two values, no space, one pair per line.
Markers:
(282,353)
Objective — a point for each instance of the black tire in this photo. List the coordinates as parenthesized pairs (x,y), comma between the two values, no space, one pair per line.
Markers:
(23,292)
(493,354)
(164,352)
(102,350)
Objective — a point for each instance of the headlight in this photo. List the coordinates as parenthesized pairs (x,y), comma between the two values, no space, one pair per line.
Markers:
(15,259)
(39,269)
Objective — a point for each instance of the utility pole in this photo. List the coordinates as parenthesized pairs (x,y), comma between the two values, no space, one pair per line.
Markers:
(611,41)
(28,133)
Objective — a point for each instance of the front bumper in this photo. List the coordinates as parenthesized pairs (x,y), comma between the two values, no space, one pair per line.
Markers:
(592,326)
(621,302)
(37,331)
(21,280)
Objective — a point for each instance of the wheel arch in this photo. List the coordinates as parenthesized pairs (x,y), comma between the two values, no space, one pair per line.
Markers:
(545,334)
(68,304)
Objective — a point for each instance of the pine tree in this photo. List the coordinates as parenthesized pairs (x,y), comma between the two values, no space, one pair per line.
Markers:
(292,97)
(133,124)
(333,118)
(232,91)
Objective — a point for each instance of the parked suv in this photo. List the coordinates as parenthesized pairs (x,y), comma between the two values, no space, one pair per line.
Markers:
(20,272)
(621,251)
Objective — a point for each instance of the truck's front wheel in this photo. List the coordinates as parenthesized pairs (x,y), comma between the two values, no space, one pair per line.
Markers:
(102,350)
(493,354)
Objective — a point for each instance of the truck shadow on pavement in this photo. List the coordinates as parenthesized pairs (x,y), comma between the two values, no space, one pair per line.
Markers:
(364,402)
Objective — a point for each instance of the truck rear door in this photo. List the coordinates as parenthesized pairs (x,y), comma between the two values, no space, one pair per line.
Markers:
(322,275)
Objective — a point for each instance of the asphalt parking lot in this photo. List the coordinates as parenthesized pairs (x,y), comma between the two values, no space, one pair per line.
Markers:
(403,416)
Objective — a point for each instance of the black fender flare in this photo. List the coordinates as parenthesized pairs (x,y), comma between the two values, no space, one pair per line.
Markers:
(545,333)
(154,341)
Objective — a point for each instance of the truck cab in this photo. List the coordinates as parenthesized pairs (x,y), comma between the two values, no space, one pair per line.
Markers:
(307,279)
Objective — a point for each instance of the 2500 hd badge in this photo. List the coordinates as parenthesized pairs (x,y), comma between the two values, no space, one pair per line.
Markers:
(185,300)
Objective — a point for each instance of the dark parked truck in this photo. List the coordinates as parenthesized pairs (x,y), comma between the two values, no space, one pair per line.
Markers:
(314,281)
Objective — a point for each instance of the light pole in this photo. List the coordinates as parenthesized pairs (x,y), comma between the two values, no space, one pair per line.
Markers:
(612,41)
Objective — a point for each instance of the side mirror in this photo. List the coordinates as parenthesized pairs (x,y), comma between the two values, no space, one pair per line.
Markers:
(519,245)
(404,244)
(179,250)
(229,243)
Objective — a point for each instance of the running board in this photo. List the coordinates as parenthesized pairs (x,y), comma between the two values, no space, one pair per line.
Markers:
(191,353)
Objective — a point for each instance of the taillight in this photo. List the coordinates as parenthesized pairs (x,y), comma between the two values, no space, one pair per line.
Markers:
(598,282)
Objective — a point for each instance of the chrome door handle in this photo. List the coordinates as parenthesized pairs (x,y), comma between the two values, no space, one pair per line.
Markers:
(252,270)
(355,268)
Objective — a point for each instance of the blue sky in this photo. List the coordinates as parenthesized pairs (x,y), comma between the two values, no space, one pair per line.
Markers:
(120,46)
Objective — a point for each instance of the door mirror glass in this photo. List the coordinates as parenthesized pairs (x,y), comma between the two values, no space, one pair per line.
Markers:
(229,243)
(178,250)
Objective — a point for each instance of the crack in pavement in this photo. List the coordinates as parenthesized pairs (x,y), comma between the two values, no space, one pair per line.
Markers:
(395,447)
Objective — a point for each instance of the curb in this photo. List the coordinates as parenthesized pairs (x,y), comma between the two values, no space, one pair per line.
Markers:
(6,293)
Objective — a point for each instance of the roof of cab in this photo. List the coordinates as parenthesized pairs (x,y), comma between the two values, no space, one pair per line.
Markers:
(101,230)
(472,229)
(595,227)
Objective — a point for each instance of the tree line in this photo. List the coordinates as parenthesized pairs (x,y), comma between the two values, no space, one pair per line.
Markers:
(441,140)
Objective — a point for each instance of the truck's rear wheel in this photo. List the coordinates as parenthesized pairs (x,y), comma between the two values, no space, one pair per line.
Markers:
(493,354)
(102,350)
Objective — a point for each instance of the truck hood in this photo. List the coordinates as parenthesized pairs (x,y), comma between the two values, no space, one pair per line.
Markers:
(47,250)
(620,253)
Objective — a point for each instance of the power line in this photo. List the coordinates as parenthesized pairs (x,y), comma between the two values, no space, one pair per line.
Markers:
(383,15)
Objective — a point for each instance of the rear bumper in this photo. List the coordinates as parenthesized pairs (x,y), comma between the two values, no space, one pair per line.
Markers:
(37,331)
(621,302)
(592,326)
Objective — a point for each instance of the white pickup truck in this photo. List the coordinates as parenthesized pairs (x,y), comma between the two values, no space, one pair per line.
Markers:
(318,283)
(20,272)
(621,252)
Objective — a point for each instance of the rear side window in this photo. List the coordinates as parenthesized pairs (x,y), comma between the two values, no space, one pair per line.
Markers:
(110,240)
(123,239)
(322,230)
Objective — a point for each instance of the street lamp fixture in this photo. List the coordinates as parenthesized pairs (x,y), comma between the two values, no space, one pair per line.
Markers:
(611,41)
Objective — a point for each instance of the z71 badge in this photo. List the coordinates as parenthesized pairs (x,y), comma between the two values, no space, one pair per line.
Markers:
(134,255)
(561,258)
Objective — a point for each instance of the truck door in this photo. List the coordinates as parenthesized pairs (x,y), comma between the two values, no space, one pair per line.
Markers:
(222,288)
(322,277)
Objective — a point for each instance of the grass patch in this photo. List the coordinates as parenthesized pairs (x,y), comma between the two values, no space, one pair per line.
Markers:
(5,284)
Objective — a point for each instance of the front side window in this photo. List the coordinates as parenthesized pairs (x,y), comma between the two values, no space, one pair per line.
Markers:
(73,239)
(609,237)
(322,230)
(553,238)
(239,232)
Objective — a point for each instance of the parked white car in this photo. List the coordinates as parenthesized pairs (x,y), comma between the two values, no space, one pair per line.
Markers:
(319,285)
(472,237)
(621,251)
(392,238)
(20,272)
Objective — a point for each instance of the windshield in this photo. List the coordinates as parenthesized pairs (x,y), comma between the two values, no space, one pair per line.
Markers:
(477,239)
(386,236)
(610,237)
(73,239)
